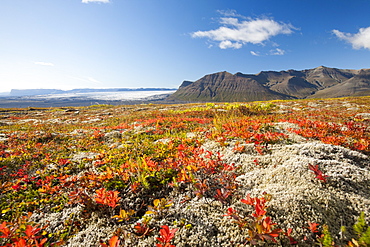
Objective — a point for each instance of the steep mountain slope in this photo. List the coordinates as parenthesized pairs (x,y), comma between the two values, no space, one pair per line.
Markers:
(320,82)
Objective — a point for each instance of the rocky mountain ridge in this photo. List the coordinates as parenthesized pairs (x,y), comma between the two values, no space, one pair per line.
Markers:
(320,82)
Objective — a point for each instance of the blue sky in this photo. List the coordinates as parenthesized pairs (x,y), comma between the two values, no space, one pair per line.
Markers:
(69,44)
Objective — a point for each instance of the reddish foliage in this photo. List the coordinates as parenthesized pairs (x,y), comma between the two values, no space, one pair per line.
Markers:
(313,227)
(142,229)
(319,175)
(222,195)
(105,197)
(291,239)
(113,242)
(21,238)
(259,226)
(167,235)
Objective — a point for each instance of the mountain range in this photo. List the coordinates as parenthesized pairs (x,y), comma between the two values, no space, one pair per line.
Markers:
(320,82)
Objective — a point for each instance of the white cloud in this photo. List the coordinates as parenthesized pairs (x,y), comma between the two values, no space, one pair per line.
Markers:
(44,63)
(234,32)
(255,53)
(228,44)
(358,40)
(277,51)
(95,1)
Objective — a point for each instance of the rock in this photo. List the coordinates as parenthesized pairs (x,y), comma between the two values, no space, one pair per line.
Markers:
(364,115)
(84,155)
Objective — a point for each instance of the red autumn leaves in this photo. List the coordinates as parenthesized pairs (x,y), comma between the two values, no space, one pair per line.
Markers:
(109,198)
(258,225)
(318,173)
(167,235)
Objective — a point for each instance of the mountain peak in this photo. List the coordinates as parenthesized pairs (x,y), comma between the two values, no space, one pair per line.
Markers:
(322,67)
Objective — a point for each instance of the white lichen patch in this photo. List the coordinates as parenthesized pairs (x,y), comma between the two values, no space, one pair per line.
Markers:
(297,195)
(98,229)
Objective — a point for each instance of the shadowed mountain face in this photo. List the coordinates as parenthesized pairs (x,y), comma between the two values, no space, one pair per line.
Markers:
(224,86)
(321,82)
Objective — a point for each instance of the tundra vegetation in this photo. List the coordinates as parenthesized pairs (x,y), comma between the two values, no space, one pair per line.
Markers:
(274,173)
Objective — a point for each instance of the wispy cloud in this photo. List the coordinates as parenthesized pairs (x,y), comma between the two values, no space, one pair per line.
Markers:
(87,79)
(277,51)
(230,12)
(236,31)
(44,63)
(273,52)
(358,40)
(95,1)
(90,79)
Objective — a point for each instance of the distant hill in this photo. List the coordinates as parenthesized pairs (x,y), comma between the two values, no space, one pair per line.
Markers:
(29,92)
(33,92)
(320,82)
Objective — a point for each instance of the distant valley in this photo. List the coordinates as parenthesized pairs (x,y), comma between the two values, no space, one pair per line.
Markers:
(82,97)
(32,92)
(320,82)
